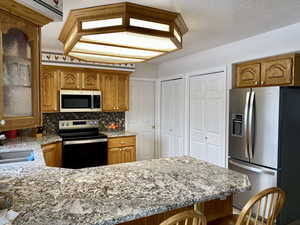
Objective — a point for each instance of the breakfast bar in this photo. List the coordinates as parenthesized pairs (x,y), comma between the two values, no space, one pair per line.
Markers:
(126,193)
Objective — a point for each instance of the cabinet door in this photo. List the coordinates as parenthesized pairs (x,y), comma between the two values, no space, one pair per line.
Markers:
(109,92)
(114,155)
(52,154)
(49,152)
(248,75)
(49,89)
(70,79)
(90,81)
(277,72)
(19,73)
(122,93)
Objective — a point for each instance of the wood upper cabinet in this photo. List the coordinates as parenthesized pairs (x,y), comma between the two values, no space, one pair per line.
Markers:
(53,154)
(115,91)
(114,86)
(90,81)
(248,75)
(283,70)
(122,93)
(121,150)
(49,91)
(109,92)
(277,72)
(19,73)
(70,79)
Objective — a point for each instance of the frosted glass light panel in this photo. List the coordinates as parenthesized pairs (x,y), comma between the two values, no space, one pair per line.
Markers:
(130,39)
(102,23)
(17,74)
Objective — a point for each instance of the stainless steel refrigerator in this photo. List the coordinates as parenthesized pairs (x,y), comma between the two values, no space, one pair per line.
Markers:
(264,143)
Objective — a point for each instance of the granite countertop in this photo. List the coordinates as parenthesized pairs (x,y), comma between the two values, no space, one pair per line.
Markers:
(47,139)
(112,134)
(21,144)
(118,193)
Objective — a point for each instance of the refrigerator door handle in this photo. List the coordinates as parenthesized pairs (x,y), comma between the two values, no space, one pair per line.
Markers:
(252,169)
(246,116)
(250,124)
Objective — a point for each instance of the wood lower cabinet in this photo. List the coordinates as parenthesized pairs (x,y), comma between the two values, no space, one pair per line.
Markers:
(49,91)
(121,150)
(283,70)
(53,154)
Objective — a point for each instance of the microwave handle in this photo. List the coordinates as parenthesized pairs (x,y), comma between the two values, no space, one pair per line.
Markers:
(92,102)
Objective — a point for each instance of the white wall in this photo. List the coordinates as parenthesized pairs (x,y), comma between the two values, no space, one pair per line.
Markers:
(145,70)
(283,40)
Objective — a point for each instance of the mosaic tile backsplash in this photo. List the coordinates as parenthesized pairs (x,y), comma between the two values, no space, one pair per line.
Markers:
(50,120)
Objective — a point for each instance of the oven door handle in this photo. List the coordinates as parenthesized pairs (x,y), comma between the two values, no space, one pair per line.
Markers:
(78,142)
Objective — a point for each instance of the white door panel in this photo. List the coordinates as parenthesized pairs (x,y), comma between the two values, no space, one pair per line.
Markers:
(172,118)
(141,117)
(207,117)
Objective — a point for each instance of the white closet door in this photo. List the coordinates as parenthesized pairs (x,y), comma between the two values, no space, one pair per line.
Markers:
(208,118)
(172,118)
(141,117)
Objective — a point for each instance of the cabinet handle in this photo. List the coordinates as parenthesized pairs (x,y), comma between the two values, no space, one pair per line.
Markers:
(256,82)
(2,122)
(123,143)
(262,82)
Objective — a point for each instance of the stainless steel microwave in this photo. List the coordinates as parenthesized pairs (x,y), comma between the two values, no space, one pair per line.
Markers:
(80,101)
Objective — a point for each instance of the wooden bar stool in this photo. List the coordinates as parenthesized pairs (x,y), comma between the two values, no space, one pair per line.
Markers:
(261,209)
(189,217)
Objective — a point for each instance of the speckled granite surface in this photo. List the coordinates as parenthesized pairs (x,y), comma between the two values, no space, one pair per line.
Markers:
(24,144)
(118,193)
(113,134)
(23,141)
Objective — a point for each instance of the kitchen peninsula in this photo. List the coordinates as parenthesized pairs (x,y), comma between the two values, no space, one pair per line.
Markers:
(117,194)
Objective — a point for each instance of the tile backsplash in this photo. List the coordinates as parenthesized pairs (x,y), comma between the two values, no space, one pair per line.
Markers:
(50,120)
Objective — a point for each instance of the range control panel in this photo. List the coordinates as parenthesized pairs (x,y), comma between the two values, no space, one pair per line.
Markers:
(78,124)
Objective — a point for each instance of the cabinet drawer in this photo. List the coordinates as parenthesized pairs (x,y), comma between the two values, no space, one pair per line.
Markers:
(120,142)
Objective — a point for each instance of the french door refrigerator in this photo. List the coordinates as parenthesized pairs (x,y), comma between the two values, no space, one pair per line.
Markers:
(264,143)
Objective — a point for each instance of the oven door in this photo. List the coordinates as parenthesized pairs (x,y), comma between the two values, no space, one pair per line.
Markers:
(76,101)
(78,154)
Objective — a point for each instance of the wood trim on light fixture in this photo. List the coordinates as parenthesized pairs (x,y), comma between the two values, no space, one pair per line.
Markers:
(124,10)
(121,46)
(110,55)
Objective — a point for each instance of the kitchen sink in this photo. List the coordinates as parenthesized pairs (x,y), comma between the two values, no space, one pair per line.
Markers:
(19,156)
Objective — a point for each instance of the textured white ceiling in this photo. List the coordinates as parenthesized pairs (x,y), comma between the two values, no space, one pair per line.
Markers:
(211,22)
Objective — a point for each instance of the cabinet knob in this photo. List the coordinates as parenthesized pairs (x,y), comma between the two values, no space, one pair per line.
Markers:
(262,82)
(256,82)
(2,122)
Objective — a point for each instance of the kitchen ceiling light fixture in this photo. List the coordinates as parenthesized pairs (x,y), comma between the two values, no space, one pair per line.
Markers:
(121,33)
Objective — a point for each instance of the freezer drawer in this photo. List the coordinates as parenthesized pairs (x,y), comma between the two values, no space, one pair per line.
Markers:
(260,178)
